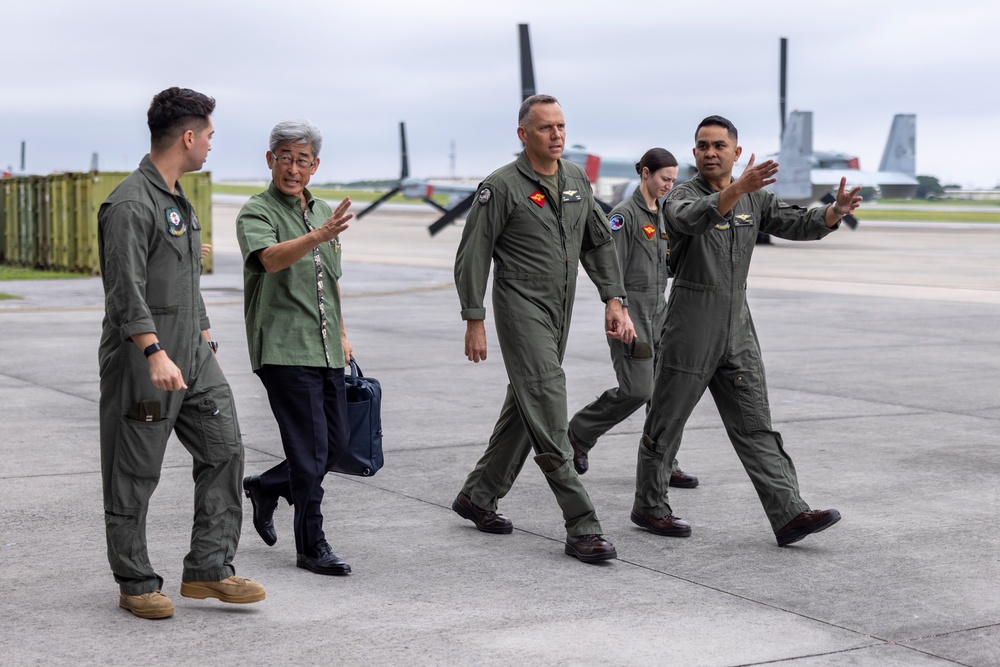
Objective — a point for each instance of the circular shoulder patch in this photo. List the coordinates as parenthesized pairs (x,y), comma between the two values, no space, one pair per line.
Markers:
(616,221)
(484,195)
(679,193)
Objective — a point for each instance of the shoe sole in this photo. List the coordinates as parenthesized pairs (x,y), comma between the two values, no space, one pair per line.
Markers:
(466,514)
(640,521)
(794,536)
(590,558)
(151,613)
(269,542)
(335,573)
(202,592)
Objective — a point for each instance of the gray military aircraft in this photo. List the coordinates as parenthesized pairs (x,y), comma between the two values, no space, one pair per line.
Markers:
(807,176)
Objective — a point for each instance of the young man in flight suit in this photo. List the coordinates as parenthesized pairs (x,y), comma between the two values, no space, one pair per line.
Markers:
(536,219)
(159,373)
(709,341)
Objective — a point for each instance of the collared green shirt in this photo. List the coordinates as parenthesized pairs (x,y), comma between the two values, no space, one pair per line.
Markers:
(281,309)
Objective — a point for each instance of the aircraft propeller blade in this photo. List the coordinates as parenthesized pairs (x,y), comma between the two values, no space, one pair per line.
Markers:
(527,68)
(378,202)
(452,213)
(404,170)
(436,205)
(783,76)
(849,220)
(404,173)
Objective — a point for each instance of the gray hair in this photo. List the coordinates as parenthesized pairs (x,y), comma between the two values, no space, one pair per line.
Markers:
(526,105)
(297,132)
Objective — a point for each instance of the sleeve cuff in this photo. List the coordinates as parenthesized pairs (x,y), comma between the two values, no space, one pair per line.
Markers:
(137,327)
(473,313)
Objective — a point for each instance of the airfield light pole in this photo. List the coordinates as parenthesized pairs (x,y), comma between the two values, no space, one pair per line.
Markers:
(23,143)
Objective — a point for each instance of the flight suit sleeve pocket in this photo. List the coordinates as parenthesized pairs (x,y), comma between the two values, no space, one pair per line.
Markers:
(598,229)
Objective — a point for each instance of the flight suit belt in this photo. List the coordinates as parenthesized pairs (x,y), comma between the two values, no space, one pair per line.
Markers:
(678,282)
(499,274)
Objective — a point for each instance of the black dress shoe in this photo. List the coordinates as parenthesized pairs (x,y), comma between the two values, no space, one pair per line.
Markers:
(485,520)
(670,525)
(580,461)
(810,521)
(682,480)
(590,548)
(263,509)
(324,562)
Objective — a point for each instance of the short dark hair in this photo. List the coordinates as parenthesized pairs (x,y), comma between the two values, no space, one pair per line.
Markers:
(529,102)
(655,159)
(720,122)
(174,111)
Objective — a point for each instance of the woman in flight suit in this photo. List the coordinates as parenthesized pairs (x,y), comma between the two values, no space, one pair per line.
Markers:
(641,243)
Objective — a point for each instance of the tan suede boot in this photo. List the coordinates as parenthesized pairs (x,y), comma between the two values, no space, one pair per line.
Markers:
(147,605)
(231,589)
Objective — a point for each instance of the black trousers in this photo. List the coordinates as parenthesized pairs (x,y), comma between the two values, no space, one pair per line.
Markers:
(310,406)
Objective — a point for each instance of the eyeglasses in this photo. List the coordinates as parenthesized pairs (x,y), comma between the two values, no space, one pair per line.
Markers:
(287,160)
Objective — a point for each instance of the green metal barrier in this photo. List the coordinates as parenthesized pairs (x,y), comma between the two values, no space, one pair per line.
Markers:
(50,222)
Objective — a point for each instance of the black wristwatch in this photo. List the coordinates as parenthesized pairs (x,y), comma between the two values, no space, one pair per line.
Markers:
(152,349)
(214,344)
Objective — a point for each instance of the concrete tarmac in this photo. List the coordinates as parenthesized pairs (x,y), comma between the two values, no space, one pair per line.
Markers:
(882,353)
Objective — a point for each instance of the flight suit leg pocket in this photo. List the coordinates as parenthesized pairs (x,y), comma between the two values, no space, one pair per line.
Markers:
(215,422)
(140,448)
(754,413)
(543,402)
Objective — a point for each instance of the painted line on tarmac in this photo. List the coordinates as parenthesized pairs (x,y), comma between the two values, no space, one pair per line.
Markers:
(346,295)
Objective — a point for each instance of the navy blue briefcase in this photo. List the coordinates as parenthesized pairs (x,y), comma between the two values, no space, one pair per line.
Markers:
(364,417)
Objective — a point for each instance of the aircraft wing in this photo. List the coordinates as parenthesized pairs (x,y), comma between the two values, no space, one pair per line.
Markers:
(831,177)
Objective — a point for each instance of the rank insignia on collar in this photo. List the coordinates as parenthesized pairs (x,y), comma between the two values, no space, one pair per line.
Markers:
(538,197)
(649,231)
(175,223)
(617,222)
(744,220)
(571,195)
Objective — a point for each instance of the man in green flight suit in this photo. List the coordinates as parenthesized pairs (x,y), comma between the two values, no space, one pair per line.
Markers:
(159,373)
(709,340)
(536,219)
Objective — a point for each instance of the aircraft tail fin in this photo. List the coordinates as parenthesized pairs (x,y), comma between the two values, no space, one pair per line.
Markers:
(900,153)
(795,157)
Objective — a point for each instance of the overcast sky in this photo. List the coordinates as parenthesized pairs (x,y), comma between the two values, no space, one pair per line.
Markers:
(631,74)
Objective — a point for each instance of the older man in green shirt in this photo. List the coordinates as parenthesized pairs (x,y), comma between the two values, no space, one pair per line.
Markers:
(295,333)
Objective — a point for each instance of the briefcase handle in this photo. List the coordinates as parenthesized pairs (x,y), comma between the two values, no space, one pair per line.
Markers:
(355,369)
